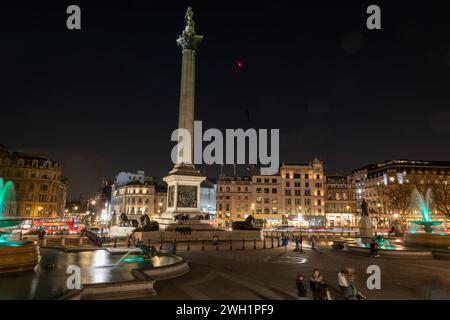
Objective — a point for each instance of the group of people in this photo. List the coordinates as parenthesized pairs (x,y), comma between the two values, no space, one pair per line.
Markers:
(320,289)
(298,242)
(184,230)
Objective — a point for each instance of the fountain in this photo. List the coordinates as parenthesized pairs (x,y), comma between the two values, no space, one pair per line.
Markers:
(428,236)
(15,256)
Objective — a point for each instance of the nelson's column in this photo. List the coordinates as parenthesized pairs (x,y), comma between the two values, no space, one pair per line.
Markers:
(183,182)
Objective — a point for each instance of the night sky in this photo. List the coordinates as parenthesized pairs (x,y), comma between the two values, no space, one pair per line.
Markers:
(105,99)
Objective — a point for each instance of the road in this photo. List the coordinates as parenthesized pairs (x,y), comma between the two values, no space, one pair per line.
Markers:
(270,274)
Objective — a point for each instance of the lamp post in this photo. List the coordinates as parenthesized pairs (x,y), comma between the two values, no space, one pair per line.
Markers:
(342,221)
(103,219)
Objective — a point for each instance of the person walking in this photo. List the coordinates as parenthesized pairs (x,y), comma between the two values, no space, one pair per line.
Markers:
(372,248)
(324,291)
(376,247)
(344,285)
(313,243)
(285,243)
(302,292)
(316,279)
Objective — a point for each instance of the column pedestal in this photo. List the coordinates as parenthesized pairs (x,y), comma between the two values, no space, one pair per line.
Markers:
(183,199)
(365,227)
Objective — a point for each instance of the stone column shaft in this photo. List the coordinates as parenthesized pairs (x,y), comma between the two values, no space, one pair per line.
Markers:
(187,102)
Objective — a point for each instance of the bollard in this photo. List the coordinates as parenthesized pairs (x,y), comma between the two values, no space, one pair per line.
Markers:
(189,246)
(115,243)
(254,244)
(278,242)
(203,245)
(161,246)
(272,242)
(243,244)
(63,242)
(231,244)
(217,246)
(80,241)
(174,245)
(44,242)
(264,247)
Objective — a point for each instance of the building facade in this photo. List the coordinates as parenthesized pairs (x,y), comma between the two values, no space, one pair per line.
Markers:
(233,201)
(295,196)
(340,202)
(40,188)
(304,193)
(208,193)
(136,197)
(387,187)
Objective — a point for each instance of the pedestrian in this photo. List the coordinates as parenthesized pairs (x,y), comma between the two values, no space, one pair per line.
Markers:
(372,248)
(316,279)
(313,243)
(344,285)
(285,243)
(376,250)
(324,291)
(302,292)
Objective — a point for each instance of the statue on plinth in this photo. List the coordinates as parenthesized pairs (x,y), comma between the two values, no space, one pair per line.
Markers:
(247,224)
(365,225)
(146,224)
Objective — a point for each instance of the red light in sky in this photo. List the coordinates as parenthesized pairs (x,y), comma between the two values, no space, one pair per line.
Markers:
(239,65)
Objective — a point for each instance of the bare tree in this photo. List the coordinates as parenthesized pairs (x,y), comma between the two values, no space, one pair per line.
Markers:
(396,198)
(441,197)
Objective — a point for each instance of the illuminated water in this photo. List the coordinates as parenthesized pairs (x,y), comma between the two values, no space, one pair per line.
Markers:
(7,198)
(49,282)
(422,203)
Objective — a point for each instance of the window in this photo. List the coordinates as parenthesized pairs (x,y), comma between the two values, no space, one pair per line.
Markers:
(274,180)
(296,176)
(307,192)
(274,190)
(258,180)
(266,190)
(266,180)
(44,187)
(287,176)
(306,176)
(258,190)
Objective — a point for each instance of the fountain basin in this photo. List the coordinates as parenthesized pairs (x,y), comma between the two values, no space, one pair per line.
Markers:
(17,256)
(438,240)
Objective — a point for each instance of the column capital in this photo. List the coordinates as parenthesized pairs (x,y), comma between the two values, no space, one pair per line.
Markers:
(188,38)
